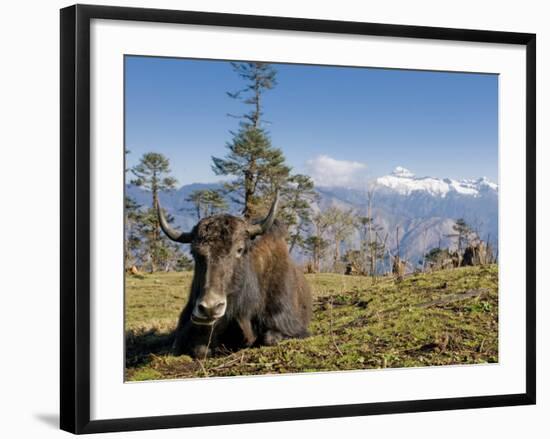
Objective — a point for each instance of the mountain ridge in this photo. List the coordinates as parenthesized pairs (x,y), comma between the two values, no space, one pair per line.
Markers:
(423,208)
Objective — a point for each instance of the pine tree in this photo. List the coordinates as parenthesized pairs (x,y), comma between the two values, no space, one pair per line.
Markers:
(372,246)
(463,234)
(332,226)
(153,174)
(257,166)
(298,194)
(132,220)
(316,244)
(340,227)
(316,247)
(133,236)
(206,202)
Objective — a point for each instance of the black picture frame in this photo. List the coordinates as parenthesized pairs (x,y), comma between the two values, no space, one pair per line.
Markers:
(75,217)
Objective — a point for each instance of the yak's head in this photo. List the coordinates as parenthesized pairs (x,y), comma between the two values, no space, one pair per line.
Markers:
(219,244)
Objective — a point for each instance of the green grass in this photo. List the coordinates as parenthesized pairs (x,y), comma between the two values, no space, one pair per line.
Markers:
(358,323)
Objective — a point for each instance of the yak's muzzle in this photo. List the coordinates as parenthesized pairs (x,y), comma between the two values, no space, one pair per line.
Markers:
(208,310)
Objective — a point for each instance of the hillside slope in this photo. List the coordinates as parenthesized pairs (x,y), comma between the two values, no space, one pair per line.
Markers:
(443,318)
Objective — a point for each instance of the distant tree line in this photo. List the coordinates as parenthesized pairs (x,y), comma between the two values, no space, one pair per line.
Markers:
(332,245)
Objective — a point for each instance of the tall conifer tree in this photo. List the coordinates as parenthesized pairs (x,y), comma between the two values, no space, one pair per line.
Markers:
(258,167)
(152,173)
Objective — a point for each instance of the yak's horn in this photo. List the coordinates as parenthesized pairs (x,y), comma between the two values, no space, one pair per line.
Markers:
(267,222)
(173,234)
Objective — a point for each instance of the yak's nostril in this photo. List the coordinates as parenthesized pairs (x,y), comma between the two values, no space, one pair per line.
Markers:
(219,306)
(203,309)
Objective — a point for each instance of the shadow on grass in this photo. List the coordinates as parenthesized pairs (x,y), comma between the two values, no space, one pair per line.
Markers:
(142,345)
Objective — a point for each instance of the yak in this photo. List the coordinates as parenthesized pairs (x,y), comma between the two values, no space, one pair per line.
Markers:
(246,291)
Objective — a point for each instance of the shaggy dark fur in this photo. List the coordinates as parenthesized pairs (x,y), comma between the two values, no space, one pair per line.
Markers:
(268,298)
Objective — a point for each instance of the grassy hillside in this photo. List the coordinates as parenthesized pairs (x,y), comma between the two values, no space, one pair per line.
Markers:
(441,318)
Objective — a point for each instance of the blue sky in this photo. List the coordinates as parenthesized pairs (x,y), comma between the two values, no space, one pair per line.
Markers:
(353,122)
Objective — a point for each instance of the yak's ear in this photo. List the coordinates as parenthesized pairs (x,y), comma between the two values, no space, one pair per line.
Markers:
(174,235)
(267,222)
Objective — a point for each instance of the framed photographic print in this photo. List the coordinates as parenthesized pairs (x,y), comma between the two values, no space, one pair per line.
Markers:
(268,218)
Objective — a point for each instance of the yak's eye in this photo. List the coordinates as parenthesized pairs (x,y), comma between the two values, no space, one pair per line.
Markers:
(240,251)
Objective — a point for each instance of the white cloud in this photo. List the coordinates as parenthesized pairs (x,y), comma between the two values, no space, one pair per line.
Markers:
(400,171)
(327,171)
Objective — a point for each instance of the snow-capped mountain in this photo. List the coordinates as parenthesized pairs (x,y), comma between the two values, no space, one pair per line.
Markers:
(404,182)
(424,208)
